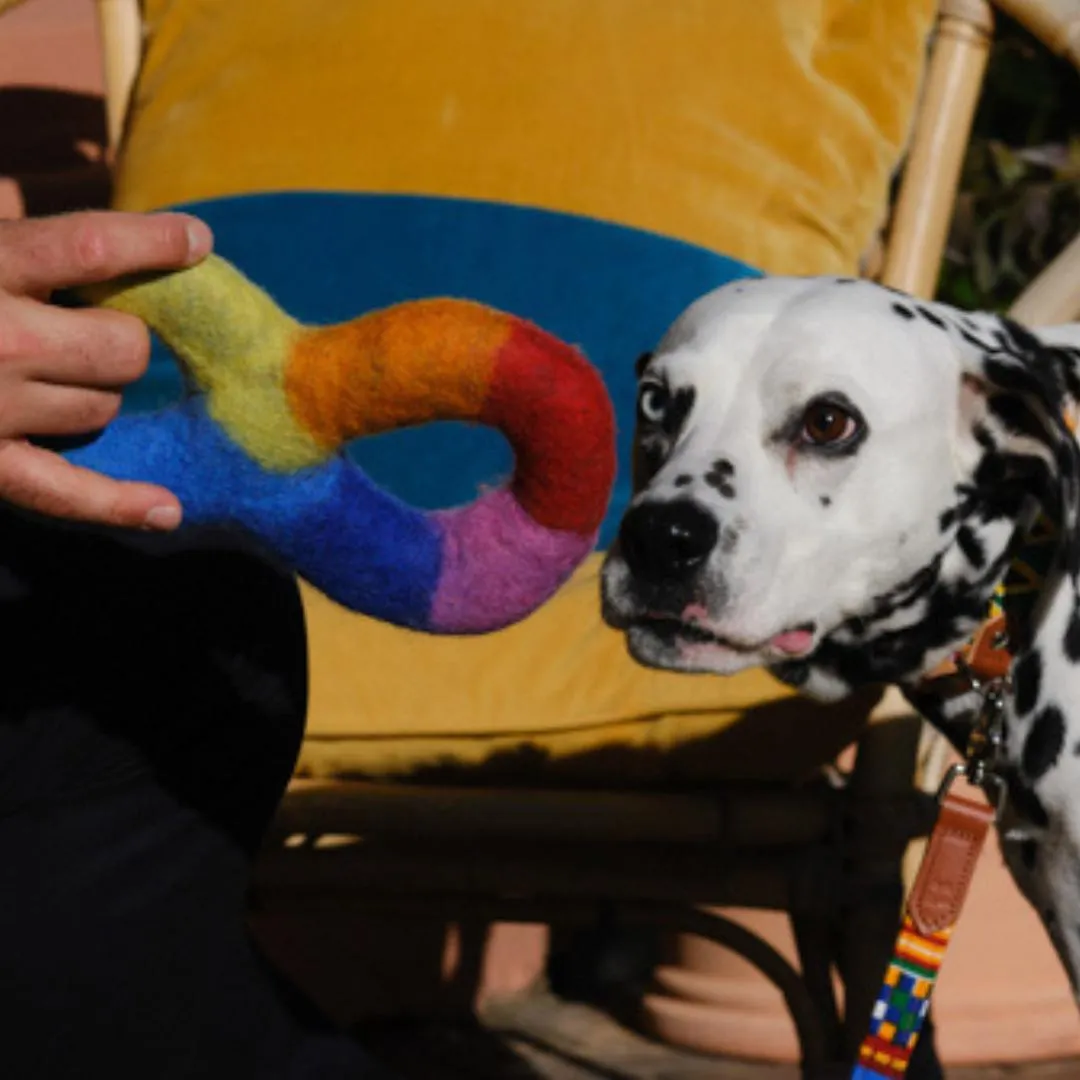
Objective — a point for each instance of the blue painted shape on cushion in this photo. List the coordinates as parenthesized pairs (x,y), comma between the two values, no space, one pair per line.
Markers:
(351,539)
(327,257)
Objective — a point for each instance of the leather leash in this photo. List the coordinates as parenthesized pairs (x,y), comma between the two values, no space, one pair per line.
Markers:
(934,904)
(952,853)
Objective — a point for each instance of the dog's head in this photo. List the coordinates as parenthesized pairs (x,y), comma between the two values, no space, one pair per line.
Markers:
(830,478)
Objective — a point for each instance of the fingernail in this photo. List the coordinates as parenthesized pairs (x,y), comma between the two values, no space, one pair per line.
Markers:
(163,518)
(200,240)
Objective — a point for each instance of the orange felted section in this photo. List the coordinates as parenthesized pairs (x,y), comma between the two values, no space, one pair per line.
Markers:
(391,369)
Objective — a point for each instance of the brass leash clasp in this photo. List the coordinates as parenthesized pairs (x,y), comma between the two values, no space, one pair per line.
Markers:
(986,743)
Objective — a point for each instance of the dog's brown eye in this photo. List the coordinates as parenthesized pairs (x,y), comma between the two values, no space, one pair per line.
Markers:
(826,423)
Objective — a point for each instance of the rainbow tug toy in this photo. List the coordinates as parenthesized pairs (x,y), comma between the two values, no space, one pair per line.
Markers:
(258,442)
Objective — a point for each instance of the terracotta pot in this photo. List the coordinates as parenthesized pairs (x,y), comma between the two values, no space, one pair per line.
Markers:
(1002,997)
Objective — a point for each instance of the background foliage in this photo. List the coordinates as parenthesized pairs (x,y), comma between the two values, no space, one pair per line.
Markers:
(1019,199)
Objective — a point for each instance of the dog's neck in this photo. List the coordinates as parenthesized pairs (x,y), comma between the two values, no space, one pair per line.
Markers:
(951,696)
(1001,546)
(907,632)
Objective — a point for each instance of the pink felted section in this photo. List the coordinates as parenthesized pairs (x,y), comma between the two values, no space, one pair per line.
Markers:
(498,565)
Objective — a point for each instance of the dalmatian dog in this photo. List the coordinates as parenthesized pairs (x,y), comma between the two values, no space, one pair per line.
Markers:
(830,480)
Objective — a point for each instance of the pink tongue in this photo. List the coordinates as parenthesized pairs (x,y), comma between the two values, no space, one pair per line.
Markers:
(793,641)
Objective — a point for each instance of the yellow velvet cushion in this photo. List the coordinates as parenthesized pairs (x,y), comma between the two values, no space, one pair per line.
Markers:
(556,696)
(767,130)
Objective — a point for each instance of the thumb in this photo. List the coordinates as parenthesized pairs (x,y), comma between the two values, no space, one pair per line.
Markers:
(39,480)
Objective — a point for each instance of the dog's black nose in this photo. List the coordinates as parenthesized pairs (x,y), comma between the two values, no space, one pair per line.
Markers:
(667,541)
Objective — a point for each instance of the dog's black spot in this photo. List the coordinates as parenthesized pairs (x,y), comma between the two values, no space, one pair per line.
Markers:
(903,312)
(919,585)
(1070,362)
(1065,458)
(682,480)
(1015,414)
(1024,801)
(682,401)
(1002,486)
(1019,340)
(648,455)
(1071,642)
(826,501)
(641,363)
(974,341)
(971,546)
(931,318)
(719,477)
(1029,853)
(1027,681)
(1044,742)
(794,673)
(947,519)
(1022,379)
(946,614)
(983,437)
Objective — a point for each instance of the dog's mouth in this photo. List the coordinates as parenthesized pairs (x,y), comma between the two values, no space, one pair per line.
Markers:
(676,633)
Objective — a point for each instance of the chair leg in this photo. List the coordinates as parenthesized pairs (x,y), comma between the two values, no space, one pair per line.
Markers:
(815,939)
(806,1014)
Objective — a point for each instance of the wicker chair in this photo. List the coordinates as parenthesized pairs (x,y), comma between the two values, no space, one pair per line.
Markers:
(831,856)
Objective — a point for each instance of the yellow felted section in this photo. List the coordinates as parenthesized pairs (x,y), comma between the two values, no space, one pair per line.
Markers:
(555,695)
(234,342)
(767,130)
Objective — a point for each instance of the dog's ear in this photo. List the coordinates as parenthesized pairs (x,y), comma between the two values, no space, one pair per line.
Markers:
(1018,401)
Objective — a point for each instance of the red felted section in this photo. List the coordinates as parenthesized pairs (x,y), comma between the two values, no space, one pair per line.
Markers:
(551,404)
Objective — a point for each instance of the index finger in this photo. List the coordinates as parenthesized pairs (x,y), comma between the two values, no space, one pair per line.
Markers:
(38,255)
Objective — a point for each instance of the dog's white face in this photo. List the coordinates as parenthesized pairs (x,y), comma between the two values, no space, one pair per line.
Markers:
(813,473)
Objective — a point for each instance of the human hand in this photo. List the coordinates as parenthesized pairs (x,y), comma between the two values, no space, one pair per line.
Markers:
(62,371)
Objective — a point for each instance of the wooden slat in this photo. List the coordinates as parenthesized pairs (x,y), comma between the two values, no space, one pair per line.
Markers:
(748,815)
(927,193)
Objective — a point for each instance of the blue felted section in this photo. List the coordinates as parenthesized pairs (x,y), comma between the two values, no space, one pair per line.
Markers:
(366,549)
(328,257)
(349,538)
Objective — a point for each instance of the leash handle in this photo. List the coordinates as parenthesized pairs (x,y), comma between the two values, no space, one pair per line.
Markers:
(931,913)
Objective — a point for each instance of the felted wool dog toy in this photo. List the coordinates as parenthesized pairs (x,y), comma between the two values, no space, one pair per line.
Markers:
(258,442)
